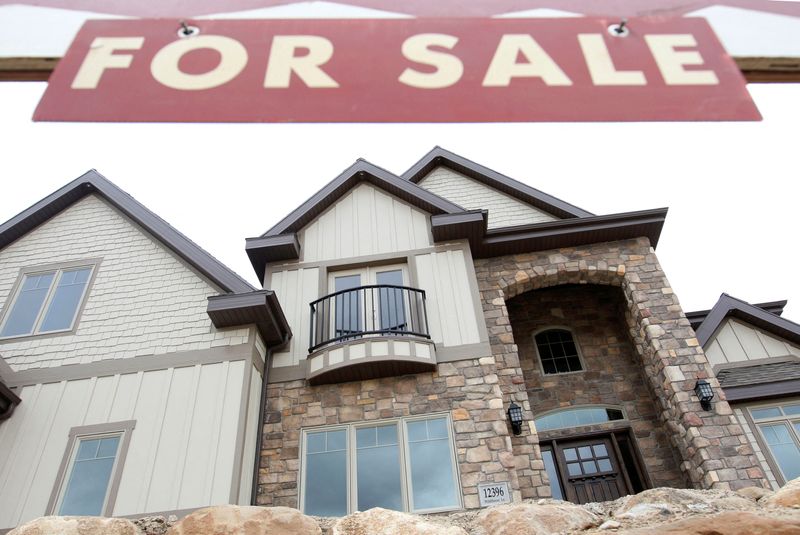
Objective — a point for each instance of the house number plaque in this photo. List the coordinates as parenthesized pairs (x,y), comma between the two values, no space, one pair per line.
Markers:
(494,493)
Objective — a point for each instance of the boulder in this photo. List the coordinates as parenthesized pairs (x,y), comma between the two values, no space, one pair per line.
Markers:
(536,519)
(727,523)
(786,496)
(379,521)
(754,493)
(236,520)
(665,503)
(77,525)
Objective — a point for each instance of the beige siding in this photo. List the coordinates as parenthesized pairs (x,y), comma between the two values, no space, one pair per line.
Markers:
(451,310)
(144,300)
(295,288)
(251,435)
(736,341)
(504,210)
(363,222)
(181,452)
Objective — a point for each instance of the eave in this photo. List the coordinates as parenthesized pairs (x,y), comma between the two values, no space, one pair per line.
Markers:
(259,308)
(728,306)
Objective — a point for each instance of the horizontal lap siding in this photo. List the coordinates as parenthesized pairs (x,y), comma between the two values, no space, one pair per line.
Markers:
(143,301)
(181,452)
(737,341)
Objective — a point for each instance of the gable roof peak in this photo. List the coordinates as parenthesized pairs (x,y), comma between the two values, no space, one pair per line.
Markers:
(761,316)
(94,182)
(439,156)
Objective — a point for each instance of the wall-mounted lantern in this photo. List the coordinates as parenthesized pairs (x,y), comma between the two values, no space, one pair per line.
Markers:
(704,393)
(515,417)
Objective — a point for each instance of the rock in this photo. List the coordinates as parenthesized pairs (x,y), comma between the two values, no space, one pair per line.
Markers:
(754,493)
(236,520)
(727,523)
(666,502)
(535,519)
(786,496)
(77,525)
(154,525)
(379,521)
(610,524)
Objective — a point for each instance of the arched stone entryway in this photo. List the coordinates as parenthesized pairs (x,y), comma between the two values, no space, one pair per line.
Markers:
(711,446)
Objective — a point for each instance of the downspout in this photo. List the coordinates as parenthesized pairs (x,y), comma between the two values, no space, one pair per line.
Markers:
(261,407)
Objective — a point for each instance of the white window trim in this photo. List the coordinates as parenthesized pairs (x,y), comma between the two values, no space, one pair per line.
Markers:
(783,419)
(59,269)
(574,341)
(124,430)
(407,490)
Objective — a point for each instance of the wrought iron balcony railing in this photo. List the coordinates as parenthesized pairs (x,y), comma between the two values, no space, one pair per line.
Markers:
(368,311)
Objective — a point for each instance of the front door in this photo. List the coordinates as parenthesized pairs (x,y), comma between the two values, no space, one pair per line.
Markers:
(591,471)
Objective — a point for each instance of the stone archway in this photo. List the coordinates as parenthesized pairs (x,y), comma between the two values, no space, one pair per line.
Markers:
(664,341)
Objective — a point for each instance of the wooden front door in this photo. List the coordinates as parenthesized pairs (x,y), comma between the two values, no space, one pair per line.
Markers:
(591,471)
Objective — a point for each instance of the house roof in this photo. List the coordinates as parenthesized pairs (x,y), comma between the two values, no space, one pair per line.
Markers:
(761,380)
(260,308)
(441,157)
(698,316)
(728,306)
(450,221)
(93,182)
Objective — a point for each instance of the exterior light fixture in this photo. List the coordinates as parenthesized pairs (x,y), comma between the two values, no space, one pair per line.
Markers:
(515,417)
(704,393)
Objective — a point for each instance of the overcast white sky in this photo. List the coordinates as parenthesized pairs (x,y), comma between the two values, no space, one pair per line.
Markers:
(732,188)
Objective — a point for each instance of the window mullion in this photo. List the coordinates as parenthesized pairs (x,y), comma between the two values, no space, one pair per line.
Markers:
(352,476)
(47,300)
(408,487)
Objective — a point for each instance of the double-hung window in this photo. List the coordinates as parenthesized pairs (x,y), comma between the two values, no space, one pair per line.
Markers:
(46,301)
(404,465)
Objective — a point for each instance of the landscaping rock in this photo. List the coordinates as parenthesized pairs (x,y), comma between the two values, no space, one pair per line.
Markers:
(236,520)
(379,521)
(536,519)
(77,525)
(754,493)
(787,496)
(664,503)
(727,523)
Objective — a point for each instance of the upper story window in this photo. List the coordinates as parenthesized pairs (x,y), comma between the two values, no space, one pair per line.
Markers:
(558,351)
(46,301)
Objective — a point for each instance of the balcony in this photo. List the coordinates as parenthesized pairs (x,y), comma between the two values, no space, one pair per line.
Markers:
(367,332)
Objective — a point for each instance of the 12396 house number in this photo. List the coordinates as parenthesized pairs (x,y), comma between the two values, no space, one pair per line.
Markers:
(494,493)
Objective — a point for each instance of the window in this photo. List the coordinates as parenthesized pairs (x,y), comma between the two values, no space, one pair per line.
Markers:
(377,309)
(558,351)
(577,416)
(404,465)
(91,470)
(779,426)
(46,301)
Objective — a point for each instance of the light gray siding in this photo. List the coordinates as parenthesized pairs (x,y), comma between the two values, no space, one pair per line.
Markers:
(504,210)
(737,341)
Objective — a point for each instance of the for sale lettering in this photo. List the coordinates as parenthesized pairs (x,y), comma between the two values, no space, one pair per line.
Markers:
(516,56)
(396,70)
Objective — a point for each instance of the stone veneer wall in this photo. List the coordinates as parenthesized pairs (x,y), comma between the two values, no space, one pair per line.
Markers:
(470,390)
(611,372)
(712,446)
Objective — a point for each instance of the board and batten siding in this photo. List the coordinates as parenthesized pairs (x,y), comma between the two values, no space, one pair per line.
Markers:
(448,298)
(296,289)
(144,300)
(182,451)
(365,221)
(736,341)
(504,210)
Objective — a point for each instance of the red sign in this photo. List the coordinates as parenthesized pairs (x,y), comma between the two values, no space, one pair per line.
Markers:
(401,70)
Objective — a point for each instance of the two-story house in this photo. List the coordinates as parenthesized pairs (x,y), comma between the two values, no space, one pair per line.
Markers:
(132,362)
(455,328)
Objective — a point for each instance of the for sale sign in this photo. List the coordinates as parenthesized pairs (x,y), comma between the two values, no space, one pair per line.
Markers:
(390,70)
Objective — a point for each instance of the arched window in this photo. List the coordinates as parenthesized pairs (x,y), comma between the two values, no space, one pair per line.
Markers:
(558,351)
(577,416)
